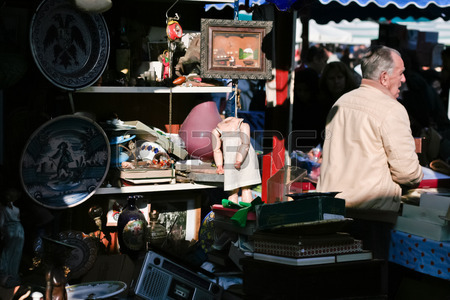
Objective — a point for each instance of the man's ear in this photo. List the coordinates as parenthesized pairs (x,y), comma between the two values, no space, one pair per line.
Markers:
(384,78)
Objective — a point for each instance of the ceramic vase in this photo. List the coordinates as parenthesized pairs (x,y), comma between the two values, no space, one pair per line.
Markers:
(196,130)
(156,233)
(132,229)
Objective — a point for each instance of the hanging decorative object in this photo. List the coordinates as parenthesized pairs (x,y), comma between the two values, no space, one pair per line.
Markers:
(173,29)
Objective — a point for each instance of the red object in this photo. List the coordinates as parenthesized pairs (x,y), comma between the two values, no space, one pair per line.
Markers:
(305,185)
(433,179)
(166,65)
(434,183)
(282,78)
(174,30)
(272,162)
(179,80)
(229,212)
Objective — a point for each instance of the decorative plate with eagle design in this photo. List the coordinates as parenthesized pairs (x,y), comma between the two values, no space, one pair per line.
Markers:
(69,46)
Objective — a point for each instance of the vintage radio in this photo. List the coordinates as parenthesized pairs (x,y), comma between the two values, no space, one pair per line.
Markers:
(161,278)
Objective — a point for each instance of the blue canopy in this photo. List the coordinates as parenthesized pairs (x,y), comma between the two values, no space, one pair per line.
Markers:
(385,3)
(324,11)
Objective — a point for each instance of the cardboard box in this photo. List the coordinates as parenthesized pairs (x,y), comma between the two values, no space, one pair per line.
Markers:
(314,208)
(228,225)
(422,228)
(437,202)
(423,214)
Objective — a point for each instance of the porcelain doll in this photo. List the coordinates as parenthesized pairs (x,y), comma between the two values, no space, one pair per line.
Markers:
(12,239)
(235,157)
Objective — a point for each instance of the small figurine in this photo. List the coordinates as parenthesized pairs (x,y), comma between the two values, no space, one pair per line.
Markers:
(56,284)
(12,239)
(235,157)
(165,59)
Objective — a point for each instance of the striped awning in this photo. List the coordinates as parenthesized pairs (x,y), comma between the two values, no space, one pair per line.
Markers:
(400,4)
(324,11)
(385,3)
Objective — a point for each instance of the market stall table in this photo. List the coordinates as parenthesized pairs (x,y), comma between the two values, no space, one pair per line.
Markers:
(420,254)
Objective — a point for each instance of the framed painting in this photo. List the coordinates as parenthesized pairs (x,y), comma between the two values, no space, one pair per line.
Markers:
(233,49)
(180,217)
(179,213)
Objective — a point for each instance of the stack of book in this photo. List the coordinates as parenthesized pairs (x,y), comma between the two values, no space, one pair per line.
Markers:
(300,250)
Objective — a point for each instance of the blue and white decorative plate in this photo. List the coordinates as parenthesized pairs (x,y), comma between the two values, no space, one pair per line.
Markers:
(65,161)
(69,46)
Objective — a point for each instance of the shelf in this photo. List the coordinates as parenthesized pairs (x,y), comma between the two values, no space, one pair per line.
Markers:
(156,89)
(153,188)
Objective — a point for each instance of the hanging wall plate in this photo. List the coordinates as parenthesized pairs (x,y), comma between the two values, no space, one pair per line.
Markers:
(83,257)
(69,46)
(65,161)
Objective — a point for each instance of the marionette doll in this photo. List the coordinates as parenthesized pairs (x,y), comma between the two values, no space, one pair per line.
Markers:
(235,157)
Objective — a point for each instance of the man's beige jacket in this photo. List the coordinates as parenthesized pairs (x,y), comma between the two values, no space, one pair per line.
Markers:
(369,152)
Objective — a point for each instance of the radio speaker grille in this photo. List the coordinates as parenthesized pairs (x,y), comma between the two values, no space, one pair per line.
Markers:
(155,284)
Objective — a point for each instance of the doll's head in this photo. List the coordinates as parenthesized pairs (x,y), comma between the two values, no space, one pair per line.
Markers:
(10,195)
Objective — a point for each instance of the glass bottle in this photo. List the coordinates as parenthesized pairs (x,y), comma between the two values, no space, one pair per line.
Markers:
(123,53)
(156,233)
(132,229)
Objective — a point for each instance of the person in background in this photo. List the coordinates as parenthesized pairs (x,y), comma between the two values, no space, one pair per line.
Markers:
(445,77)
(336,80)
(316,59)
(313,98)
(369,152)
(427,115)
(307,115)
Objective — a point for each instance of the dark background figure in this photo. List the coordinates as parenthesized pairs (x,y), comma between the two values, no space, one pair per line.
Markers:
(336,80)
(313,97)
(426,112)
(445,77)
(316,59)
(307,115)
